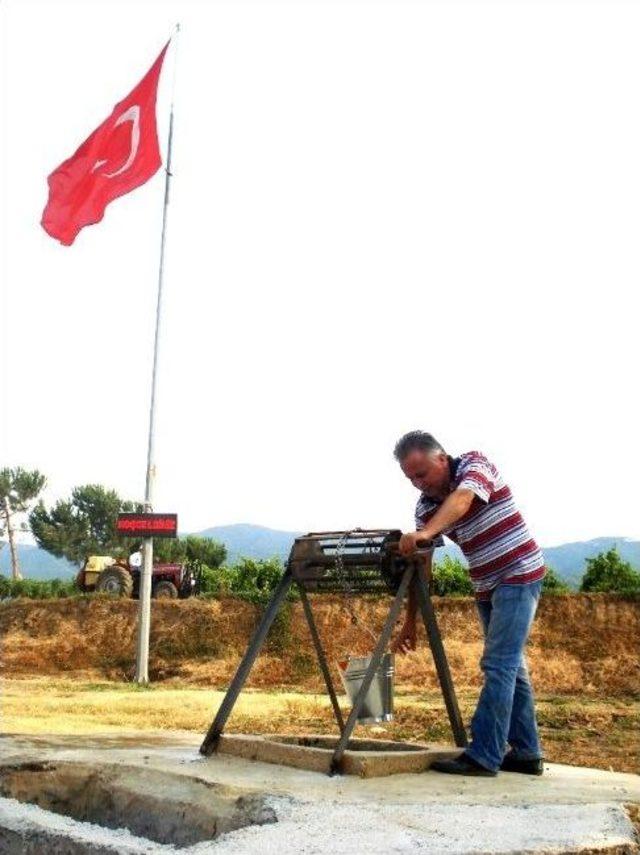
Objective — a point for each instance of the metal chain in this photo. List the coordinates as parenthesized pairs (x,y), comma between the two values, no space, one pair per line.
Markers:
(341,573)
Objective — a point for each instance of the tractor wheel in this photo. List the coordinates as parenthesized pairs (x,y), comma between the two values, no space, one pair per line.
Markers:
(165,590)
(115,580)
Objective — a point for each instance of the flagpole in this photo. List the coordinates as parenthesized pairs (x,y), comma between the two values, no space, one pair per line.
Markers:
(144,613)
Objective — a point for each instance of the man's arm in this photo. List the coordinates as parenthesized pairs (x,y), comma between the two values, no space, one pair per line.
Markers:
(454,507)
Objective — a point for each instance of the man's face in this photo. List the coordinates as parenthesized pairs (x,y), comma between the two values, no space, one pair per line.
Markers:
(428,471)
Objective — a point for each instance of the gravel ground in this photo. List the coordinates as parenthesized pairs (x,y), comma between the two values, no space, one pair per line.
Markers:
(29,829)
(568,810)
(341,829)
(345,829)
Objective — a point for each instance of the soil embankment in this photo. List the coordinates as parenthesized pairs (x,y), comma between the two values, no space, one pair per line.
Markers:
(580,644)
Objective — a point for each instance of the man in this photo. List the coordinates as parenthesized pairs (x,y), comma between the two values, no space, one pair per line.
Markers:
(466,499)
(135,558)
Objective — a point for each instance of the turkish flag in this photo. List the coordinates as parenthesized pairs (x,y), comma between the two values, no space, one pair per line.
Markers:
(119,156)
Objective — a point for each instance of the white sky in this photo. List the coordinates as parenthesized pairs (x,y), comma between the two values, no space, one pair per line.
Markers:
(384,216)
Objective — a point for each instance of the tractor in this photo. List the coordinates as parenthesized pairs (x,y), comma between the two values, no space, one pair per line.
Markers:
(107,575)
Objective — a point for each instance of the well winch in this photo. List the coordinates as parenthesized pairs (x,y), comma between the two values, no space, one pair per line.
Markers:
(351,563)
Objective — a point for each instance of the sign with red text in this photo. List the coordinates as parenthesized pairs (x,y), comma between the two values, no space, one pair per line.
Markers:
(147,525)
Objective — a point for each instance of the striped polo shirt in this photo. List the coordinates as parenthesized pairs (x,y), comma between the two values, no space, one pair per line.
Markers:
(492,534)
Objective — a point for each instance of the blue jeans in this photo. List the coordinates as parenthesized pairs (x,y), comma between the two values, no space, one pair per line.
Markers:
(505,711)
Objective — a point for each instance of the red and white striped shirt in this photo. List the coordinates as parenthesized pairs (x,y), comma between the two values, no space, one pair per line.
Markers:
(492,534)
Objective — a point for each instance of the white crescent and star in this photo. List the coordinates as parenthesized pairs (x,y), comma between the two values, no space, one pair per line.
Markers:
(131,115)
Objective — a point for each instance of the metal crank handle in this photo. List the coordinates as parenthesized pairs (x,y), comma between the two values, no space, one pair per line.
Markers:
(424,546)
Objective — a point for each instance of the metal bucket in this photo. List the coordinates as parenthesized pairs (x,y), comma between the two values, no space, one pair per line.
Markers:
(378,702)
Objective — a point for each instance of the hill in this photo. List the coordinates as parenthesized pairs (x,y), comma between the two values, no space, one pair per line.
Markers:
(251,541)
(568,560)
(35,563)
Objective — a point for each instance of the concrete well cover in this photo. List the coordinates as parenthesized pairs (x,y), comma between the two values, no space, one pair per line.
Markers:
(364,757)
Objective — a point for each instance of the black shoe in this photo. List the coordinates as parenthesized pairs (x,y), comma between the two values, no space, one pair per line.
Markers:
(462,765)
(526,767)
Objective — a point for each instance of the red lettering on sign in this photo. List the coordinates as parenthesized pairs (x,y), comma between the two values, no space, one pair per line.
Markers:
(146,525)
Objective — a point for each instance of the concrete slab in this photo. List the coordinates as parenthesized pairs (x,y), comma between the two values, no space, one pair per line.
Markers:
(365,758)
(567,810)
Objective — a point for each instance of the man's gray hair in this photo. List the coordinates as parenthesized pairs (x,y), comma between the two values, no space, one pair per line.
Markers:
(416,440)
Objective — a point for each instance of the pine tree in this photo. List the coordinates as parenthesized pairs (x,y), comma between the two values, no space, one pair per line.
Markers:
(83,525)
(19,488)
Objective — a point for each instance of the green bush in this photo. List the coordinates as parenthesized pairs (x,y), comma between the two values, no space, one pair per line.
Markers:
(250,579)
(37,589)
(607,572)
(553,584)
(450,578)
(256,580)
(215,581)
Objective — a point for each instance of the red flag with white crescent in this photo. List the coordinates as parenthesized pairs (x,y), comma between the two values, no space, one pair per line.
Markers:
(120,155)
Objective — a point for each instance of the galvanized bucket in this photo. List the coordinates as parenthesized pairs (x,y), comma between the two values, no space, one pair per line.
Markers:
(378,702)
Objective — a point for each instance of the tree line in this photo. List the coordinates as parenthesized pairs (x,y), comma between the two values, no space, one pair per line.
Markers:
(607,572)
(85,524)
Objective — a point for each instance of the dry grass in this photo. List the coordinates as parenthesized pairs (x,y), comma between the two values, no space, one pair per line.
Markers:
(602,733)
(581,644)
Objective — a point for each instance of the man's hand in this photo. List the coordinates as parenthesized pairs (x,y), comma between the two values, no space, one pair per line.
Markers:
(411,541)
(407,638)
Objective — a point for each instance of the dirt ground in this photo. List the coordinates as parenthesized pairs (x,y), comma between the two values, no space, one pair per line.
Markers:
(577,730)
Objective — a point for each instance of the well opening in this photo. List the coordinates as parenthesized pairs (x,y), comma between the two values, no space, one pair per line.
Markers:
(367,758)
(329,743)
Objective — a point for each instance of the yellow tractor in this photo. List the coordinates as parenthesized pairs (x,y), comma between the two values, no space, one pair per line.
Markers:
(108,575)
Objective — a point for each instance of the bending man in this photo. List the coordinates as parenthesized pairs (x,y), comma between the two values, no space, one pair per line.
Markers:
(466,499)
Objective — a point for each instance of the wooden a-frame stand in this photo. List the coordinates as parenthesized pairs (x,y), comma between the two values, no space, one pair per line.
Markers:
(415,572)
